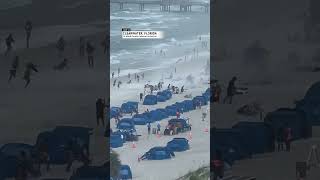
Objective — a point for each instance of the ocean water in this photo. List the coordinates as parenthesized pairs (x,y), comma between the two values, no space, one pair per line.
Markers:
(6,4)
(181,31)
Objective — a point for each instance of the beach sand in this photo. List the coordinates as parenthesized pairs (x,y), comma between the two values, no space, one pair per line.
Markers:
(53,97)
(236,24)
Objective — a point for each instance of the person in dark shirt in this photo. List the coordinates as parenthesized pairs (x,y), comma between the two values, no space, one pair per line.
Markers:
(9,41)
(28,29)
(27,74)
(231,90)
(14,67)
(90,49)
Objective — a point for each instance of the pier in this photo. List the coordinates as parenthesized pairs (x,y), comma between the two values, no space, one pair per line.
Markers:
(165,5)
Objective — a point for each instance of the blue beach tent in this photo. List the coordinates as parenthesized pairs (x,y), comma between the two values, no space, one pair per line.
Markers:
(161,98)
(150,100)
(158,153)
(114,112)
(125,172)
(258,136)
(178,144)
(144,116)
(232,143)
(171,110)
(129,107)
(188,104)
(166,93)
(300,126)
(139,121)
(126,124)
(116,140)
(199,99)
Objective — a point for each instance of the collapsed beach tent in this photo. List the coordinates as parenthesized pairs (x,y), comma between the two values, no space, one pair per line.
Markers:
(232,144)
(126,124)
(300,126)
(158,153)
(150,100)
(115,112)
(178,144)
(129,107)
(258,136)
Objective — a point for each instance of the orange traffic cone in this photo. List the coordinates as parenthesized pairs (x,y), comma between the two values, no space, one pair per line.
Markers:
(206,130)
(133,144)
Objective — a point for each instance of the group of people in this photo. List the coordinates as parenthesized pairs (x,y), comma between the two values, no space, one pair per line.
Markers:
(216,91)
(137,77)
(284,137)
(85,46)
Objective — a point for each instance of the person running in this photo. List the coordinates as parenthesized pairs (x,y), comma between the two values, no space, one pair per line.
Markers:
(141,96)
(27,74)
(90,49)
(119,83)
(112,75)
(14,67)
(44,154)
(158,128)
(63,65)
(9,41)
(149,128)
(28,29)
(82,46)
(231,90)
(61,45)
(114,82)
(100,111)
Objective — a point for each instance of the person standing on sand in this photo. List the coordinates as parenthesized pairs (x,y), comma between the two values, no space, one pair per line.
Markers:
(28,29)
(100,111)
(138,78)
(112,75)
(114,82)
(14,67)
(61,45)
(141,96)
(90,50)
(149,128)
(104,44)
(82,46)
(231,90)
(29,67)
(9,41)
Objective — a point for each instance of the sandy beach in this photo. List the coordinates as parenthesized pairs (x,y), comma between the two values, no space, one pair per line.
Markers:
(54,97)
(236,24)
